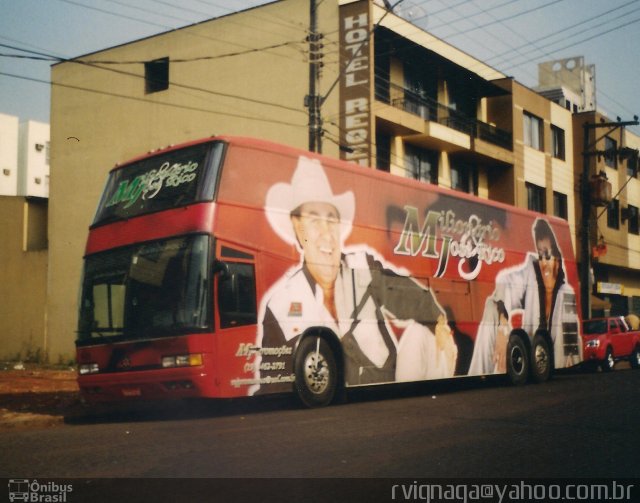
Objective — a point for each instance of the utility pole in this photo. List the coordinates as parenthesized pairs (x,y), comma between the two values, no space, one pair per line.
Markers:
(585,197)
(585,235)
(313,99)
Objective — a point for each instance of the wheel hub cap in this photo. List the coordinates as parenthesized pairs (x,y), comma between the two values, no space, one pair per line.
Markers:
(316,372)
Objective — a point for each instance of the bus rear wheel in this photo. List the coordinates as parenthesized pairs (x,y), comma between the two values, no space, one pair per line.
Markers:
(540,360)
(517,361)
(316,372)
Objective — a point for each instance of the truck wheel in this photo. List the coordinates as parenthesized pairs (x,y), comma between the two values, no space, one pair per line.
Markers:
(608,362)
(635,358)
(316,372)
(541,365)
(517,361)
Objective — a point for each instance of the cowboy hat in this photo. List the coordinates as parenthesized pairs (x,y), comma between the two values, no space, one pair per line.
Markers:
(308,184)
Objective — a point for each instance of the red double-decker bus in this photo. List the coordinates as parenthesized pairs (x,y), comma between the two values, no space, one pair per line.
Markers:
(232,267)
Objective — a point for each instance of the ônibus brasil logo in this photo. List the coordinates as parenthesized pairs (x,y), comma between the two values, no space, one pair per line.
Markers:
(38,492)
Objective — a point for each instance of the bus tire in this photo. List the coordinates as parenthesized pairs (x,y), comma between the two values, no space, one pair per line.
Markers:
(316,372)
(517,361)
(541,362)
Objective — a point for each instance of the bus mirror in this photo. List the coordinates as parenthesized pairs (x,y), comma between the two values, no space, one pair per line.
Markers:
(222,268)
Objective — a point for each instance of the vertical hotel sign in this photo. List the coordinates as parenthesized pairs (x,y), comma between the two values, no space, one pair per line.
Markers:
(355,82)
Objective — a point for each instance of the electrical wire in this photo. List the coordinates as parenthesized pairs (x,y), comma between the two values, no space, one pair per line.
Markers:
(152,102)
(171,83)
(163,26)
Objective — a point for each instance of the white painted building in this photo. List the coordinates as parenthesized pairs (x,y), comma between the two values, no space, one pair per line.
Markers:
(24,157)
(8,155)
(33,159)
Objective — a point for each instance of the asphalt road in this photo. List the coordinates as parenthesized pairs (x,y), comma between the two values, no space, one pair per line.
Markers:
(574,426)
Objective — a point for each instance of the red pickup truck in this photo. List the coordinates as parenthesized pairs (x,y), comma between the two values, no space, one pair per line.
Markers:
(607,340)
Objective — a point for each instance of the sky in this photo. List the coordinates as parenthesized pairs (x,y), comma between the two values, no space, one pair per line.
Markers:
(512,36)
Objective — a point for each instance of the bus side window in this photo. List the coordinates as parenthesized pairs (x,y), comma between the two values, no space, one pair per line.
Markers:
(237,296)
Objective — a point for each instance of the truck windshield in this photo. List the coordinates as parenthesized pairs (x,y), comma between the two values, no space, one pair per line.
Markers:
(152,289)
(592,327)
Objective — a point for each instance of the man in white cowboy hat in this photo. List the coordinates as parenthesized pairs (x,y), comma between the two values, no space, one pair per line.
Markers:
(391,328)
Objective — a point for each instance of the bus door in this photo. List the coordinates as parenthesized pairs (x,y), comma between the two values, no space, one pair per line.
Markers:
(236,316)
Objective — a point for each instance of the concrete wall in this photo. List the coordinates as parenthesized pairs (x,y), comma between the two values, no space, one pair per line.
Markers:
(23,270)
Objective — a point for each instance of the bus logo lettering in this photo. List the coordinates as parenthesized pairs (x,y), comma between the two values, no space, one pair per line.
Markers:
(149,184)
(471,243)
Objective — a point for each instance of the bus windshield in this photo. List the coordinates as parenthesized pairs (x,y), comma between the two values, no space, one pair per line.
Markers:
(164,181)
(151,289)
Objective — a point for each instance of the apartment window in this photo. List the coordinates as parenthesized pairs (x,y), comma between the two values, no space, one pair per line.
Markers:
(536,198)
(560,205)
(156,75)
(464,177)
(632,215)
(557,142)
(383,151)
(610,156)
(613,214)
(533,131)
(421,164)
(632,166)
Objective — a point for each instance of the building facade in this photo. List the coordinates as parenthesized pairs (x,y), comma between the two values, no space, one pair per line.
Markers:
(607,152)
(390,96)
(606,156)
(23,246)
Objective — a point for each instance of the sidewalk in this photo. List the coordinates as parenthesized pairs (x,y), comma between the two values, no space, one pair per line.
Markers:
(36,396)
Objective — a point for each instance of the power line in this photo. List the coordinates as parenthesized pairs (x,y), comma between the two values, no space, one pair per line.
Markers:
(151,102)
(513,16)
(202,58)
(562,31)
(163,26)
(512,49)
(120,15)
(175,84)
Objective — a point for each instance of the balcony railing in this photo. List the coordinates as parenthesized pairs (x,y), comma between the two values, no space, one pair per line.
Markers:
(430,110)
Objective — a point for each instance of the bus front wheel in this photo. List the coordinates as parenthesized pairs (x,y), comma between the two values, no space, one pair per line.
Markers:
(517,361)
(316,372)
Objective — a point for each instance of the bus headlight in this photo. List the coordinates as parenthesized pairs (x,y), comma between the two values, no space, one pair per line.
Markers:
(593,343)
(190,360)
(88,368)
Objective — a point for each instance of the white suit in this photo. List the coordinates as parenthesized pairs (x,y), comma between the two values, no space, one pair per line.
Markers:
(521,289)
